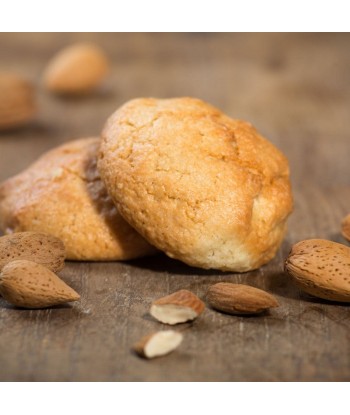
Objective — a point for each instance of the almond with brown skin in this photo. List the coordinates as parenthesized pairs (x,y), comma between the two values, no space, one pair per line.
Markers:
(76,69)
(30,285)
(178,307)
(41,248)
(345,227)
(158,344)
(239,298)
(17,101)
(321,268)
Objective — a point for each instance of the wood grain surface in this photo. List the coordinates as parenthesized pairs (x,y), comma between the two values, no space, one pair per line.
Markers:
(295,88)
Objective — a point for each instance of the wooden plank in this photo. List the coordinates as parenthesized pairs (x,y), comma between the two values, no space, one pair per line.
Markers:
(296,90)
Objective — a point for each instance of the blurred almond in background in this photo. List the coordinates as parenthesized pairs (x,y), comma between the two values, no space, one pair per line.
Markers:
(17,101)
(77,69)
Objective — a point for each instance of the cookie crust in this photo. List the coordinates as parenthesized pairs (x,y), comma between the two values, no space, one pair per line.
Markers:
(62,194)
(202,187)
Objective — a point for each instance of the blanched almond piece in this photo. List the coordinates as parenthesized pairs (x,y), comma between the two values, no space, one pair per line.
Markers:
(178,307)
(346,227)
(38,247)
(321,268)
(76,69)
(30,285)
(239,298)
(158,344)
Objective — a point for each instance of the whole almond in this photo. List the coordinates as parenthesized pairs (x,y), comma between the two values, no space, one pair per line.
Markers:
(31,285)
(346,227)
(76,69)
(321,268)
(239,298)
(41,248)
(178,307)
(17,101)
(158,344)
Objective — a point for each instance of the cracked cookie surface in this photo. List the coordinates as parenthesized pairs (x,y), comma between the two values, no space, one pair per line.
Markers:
(202,187)
(62,194)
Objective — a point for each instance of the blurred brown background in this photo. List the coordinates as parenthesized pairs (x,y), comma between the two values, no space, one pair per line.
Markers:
(295,89)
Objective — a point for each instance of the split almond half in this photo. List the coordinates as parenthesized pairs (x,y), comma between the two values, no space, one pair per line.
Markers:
(321,268)
(30,285)
(178,307)
(41,248)
(158,344)
(76,69)
(239,298)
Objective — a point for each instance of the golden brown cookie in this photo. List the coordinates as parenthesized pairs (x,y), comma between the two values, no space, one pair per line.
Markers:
(62,194)
(202,187)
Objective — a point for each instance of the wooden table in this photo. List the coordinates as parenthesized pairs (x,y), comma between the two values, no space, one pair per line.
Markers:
(295,88)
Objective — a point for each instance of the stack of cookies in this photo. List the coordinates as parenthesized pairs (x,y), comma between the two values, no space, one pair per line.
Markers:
(175,175)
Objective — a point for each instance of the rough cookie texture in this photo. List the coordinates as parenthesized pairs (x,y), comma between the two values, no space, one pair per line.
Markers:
(202,187)
(62,194)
